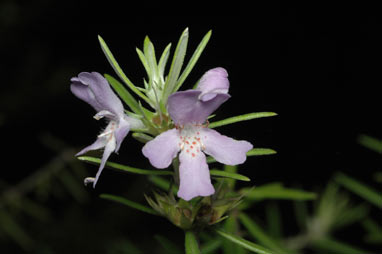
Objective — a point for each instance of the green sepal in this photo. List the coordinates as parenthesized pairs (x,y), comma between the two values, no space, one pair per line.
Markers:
(124,168)
(241,118)
(129,203)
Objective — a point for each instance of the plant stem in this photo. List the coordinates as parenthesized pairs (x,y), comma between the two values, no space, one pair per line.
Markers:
(191,243)
(175,164)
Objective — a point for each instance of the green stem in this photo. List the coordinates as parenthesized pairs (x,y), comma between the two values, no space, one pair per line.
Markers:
(175,164)
(191,243)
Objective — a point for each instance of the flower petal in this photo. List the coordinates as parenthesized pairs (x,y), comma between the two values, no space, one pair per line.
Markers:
(121,132)
(224,149)
(84,93)
(213,82)
(162,149)
(185,107)
(98,144)
(109,148)
(194,176)
(95,90)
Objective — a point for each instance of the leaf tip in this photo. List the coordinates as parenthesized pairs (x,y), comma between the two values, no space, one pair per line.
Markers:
(185,32)
(81,158)
(100,39)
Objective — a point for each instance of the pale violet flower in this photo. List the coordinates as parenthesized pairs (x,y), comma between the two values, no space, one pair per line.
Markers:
(94,89)
(192,137)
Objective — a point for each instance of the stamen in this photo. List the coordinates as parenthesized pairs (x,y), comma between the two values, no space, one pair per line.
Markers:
(88,180)
(105,133)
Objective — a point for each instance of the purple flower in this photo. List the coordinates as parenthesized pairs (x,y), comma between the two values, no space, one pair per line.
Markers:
(189,111)
(94,89)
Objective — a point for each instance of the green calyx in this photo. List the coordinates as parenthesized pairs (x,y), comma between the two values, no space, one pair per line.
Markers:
(197,213)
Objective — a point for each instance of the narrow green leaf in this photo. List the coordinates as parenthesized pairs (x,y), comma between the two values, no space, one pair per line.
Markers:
(191,244)
(258,234)
(374,231)
(123,93)
(334,246)
(276,191)
(240,118)
(245,243)
(72,186)
(360,189)
(260,151)
(9,226)
(147,116)
(148,49)
(371,143)
(162,183)
(377,176)
(274,221)
(129,203)
(176,66)
(169,246)
(221,173)
(125,168)
(351,216)
(211,246)
(253,152)
(142,57)
(163,60)
(121,246)
(301,211)
(193,60)
(231,226)
(119,70)
(32,208)
(371,226)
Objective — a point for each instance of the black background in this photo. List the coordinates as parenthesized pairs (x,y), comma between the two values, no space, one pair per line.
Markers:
(316,65)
